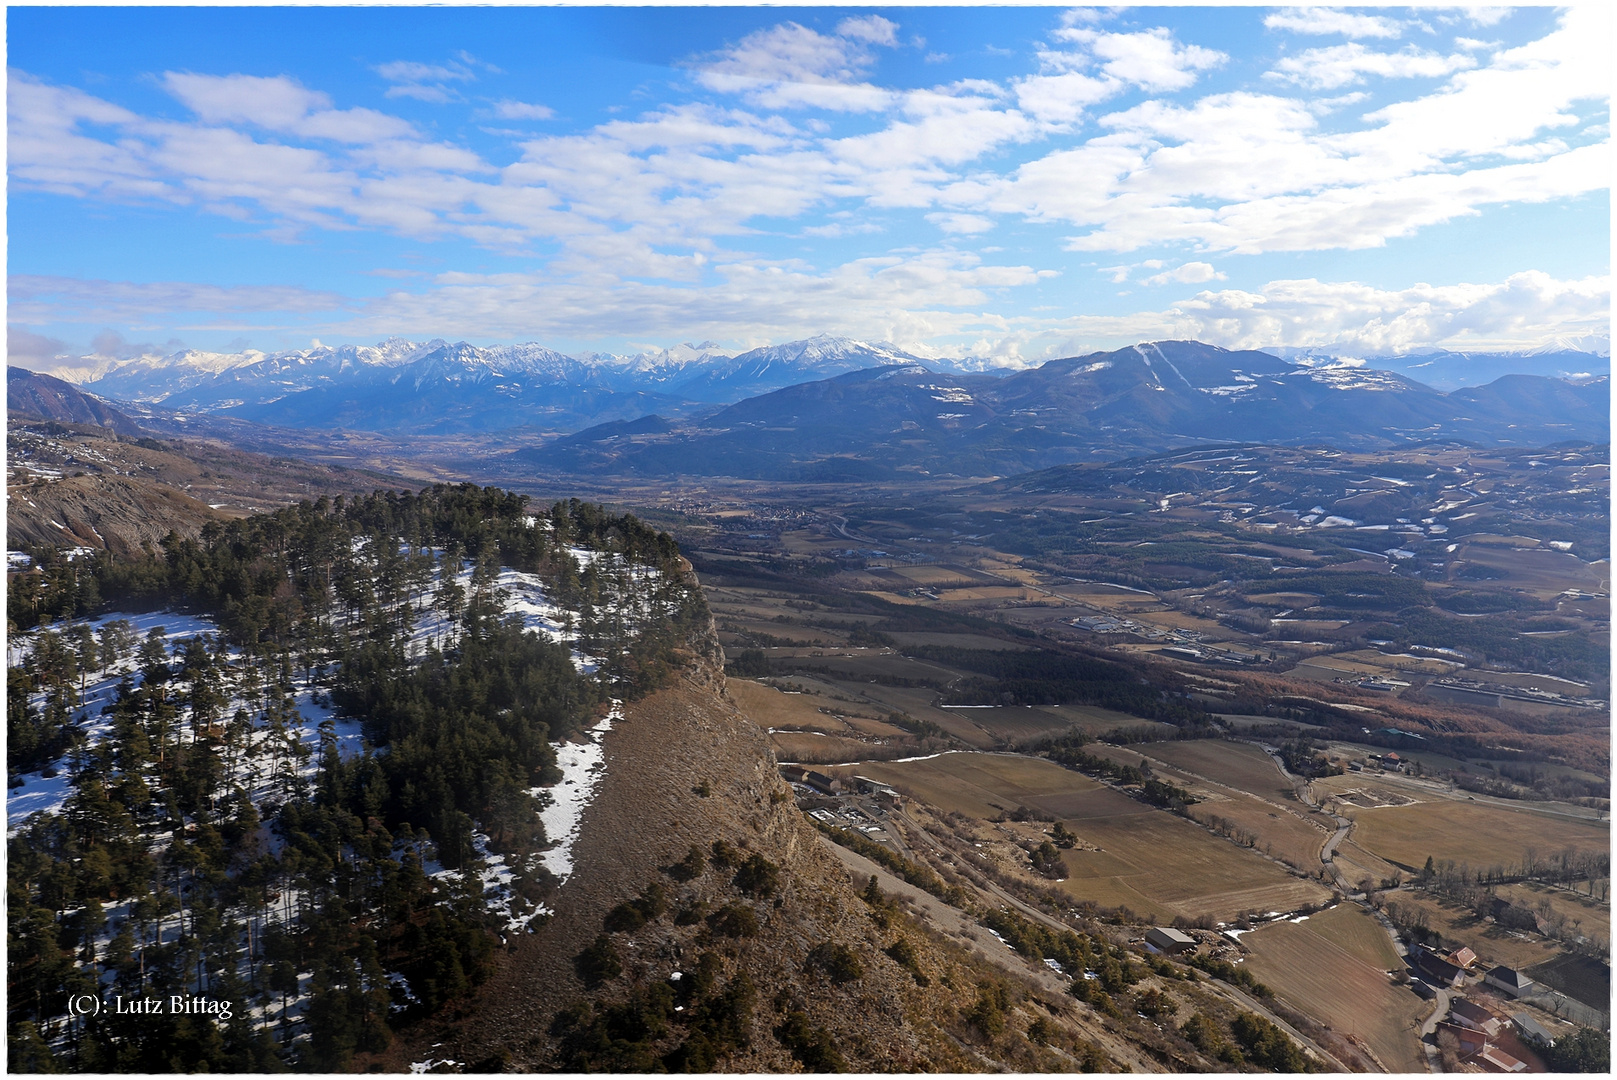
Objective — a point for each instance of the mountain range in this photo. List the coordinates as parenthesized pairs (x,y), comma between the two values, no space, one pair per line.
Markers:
(881,422)
(437,387)
(834,408)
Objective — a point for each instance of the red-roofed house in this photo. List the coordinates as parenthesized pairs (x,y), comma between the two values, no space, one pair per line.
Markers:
(1496,1060)
(1475,1016)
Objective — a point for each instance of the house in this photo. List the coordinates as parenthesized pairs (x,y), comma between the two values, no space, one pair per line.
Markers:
(1474,1016)
(1462,957)
(1168,940)
(1496,1060)
(1438,970)
(1533,1033)
(1392,760)
(1468,1042)
(793,774)
(1509,980)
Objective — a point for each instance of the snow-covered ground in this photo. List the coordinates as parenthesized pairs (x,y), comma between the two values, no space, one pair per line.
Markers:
(582,764)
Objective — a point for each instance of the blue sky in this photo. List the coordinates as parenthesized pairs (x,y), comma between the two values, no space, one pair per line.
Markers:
(1014,183)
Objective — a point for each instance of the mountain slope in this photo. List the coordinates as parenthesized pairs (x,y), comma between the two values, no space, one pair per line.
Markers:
(82,487)
(539,1014)
(439,387)
(1142,399)
(32,394)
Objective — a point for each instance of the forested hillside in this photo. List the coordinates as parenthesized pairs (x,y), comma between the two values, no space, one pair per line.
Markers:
(301,770)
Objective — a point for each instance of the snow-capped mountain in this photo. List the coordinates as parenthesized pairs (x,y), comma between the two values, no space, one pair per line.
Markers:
(398,381)
(1448,369)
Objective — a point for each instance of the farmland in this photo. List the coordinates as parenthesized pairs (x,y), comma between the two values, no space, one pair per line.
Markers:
(1481,835)
(1334,966)
(1460,925)
(1130,854)
(1238,765)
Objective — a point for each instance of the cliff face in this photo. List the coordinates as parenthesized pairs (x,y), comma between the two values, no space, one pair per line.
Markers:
(684,769)
(708,927)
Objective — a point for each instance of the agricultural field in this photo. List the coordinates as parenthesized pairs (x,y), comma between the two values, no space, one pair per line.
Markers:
(1480,834)
(1459,924)
(981,785)
(808,748)
(1580,977)
(770,708)
(1131,855)
(1334,966)
(1160,864)
(1241,766)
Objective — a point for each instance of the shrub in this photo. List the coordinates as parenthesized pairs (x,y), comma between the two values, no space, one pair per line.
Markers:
(734,920)
(599,963)
(758,877)
(838,962)
(811,1046)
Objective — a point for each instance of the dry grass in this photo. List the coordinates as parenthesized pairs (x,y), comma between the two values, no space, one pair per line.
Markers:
(979,785)
(1492,943)
(1592,917)
(770,708)
(1149,860)
(1241,766)
(809,749)
(1164,866)
(1481,834)
(1093,720)
(1334,968)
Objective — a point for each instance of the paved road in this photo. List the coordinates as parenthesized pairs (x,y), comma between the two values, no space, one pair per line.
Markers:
(1434,1061)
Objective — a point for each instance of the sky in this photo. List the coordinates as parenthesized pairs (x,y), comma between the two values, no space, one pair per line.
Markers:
(1012,183)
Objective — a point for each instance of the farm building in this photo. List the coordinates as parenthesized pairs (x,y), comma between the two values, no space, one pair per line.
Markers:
(1475,1016)
(793,774)
(1532,1031)
(1168,940)
(1462,957)
(1436,969)
(1509,980)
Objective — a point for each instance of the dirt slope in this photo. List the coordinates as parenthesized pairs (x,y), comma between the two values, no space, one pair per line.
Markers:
(648,814)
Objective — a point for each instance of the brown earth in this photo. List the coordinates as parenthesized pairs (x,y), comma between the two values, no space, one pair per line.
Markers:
(647,814)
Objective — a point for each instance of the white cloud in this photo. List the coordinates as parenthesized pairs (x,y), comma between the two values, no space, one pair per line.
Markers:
(414,72)
(37,298)
(903,298)
(1149,59)
(1062,99)
(871,29)
(1522,311)
(1487,16)
(521,110)
(1191,273)
(1321,20)
(791,66)
(1343,65)
(279,104)
(961,224)
(430,82)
